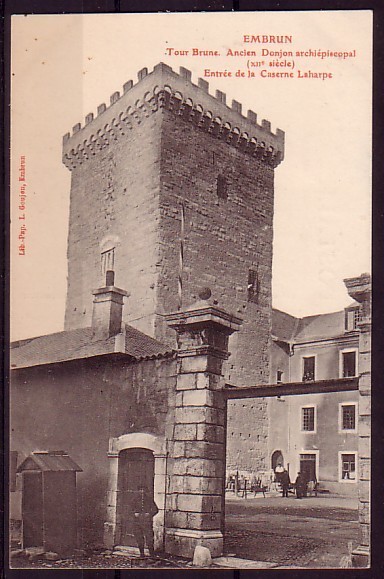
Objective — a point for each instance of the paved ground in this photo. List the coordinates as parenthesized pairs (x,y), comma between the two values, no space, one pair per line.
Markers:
(312,532)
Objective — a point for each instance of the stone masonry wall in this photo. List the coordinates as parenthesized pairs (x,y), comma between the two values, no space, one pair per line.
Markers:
(114,195)
(79,407)
(223,239)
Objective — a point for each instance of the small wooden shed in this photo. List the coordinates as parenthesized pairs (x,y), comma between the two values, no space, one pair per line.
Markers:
(49,502)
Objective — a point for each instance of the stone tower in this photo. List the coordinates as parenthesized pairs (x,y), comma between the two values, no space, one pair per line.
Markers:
(173,190)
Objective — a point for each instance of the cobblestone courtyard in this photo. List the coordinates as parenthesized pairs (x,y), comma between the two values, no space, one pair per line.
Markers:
(311,532)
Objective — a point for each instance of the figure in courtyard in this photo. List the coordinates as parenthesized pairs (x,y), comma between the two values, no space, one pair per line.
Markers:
(285,482)
(144,509)
(300,485)
(278,472)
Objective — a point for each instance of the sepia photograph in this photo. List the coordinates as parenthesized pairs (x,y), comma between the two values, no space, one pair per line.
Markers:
(190,306)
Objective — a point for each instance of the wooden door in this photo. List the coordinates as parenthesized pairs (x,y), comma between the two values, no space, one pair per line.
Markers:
(308,466)
(32,509)
(136,468)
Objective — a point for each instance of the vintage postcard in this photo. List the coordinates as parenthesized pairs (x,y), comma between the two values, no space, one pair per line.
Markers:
(190,290)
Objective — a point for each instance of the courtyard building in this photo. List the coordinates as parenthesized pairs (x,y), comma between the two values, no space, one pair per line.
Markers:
(168,308)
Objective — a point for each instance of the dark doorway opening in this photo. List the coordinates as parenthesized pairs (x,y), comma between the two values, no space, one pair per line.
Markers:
(308,466)
(32,509)
(136,469)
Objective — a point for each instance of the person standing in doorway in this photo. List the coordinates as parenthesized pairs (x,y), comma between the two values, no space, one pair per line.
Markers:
(278,473)
(144,510)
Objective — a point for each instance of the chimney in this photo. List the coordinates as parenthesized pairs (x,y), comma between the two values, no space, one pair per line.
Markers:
(107,309)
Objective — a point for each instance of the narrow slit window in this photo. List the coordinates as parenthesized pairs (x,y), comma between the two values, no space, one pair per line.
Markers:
(253,286)
(222,187)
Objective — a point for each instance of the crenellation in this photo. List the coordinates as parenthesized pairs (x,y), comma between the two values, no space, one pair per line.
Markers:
(236,106)
(193,103)
(203,84)
(127,86)
(221,96)
(88,118)
(185,73)
(252,116)
(142,73)
(266,125)
(101,108)
(114,97)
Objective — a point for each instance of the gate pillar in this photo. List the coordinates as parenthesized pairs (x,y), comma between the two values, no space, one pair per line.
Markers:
(359,288)
(195,497)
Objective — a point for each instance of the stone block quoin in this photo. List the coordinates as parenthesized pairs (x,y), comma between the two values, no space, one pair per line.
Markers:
(165,88)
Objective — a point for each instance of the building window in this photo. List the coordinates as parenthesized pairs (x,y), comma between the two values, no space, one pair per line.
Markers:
(222,189)
(279,376)
(352,318)
(348,365)
(348,416)
(348,466)
(253,286)
(308,419)
(107,261)
(308,368)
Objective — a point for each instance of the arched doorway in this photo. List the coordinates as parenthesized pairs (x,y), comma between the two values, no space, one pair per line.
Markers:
(136,468)
(277,459)
(133,459)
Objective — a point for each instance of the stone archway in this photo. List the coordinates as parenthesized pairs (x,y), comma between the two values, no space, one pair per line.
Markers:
(135,440)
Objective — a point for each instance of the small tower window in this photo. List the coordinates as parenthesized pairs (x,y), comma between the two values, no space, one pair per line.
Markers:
(222,189)
(253,286)
(107,261)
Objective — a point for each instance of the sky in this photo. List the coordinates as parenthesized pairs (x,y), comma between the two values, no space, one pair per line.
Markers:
(64,66)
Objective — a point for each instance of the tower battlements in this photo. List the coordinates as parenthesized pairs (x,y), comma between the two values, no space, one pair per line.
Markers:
(165,89)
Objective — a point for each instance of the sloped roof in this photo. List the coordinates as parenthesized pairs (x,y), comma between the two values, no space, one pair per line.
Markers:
(283,325)
(79,344)
(140,345)
(287,328)
(56,460)
(321,326)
